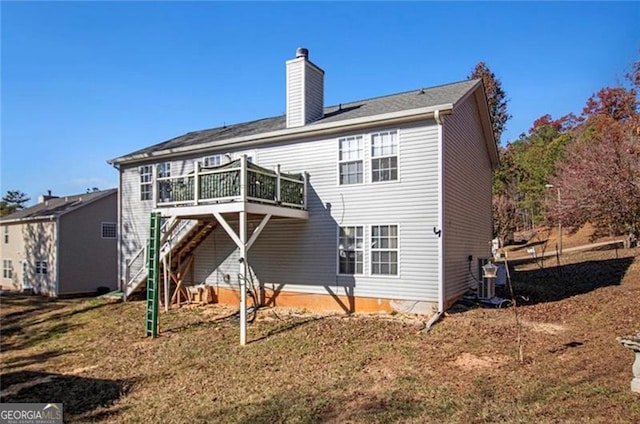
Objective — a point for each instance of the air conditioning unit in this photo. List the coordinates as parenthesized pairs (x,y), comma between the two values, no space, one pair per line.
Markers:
(486,286)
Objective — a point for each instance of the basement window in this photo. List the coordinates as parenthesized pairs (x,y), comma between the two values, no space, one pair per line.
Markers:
(384,250)
(109,230)
(350,160)
(351,250)
(384,156)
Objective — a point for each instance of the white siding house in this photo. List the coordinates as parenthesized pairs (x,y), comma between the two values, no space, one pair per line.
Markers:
(393,212)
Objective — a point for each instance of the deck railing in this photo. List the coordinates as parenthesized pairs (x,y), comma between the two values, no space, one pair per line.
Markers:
(239,180)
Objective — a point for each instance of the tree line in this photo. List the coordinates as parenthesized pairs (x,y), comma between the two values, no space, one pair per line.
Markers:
(575,169)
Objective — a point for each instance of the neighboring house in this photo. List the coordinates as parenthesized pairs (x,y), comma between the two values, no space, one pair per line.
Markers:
(387,204)
(62,246)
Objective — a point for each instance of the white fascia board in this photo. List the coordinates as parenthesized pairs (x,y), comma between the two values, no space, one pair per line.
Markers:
(297,132)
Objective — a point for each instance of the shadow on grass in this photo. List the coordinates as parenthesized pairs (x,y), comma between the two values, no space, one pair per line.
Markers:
(80,395)
(287,326)
(40,358)
(554,283)
(313,406)
(32,305)
(31,326)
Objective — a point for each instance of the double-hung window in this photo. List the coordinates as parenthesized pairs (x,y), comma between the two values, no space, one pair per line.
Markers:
(351,159)
(7,268)
(164,186)
(351,250)
(42,267)
(6,234)
(384,250)
(384,156)
(146,182)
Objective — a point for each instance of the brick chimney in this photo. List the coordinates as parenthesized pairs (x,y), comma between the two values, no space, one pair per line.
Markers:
(305,90)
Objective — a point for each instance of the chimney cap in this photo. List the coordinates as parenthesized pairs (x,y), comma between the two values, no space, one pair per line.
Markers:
(302,52)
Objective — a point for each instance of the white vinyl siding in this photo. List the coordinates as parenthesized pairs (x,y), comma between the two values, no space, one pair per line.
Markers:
(146,182)
(351,160)
(467,224)
(384,156)
(351,250)
(7,268)
(109,230)
(300,255)
(384,250)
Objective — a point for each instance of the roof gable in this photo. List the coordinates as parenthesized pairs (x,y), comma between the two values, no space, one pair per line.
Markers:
(57,206)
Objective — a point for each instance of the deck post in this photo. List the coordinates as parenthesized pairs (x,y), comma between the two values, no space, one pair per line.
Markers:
(196,184)
(243,274)
(304,190)
(278,197)
(243,178)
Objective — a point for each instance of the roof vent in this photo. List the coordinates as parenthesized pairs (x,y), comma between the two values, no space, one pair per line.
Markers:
(302,52)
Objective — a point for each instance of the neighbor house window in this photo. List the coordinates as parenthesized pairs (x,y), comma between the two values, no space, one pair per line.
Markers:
(350,250)
(384,156)
(6,234)
(384,250)
(213,160)
(7,268)
(146,183)
(350,159)
(42,267)
(109,230)
(164,187)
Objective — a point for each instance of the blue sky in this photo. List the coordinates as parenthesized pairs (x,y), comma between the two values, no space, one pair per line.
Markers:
(84,82)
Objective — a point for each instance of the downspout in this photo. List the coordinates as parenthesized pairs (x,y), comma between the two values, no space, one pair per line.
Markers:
(439,120)
(57,258)
(120,256)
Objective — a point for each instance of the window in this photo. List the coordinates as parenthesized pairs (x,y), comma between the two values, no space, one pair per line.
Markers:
(109,230)
(7,268)
(384,250)
(146,184)
(214,160)
(42,267)
(350,250)
(6,234)
(384,156)
(350,160)
(164,187)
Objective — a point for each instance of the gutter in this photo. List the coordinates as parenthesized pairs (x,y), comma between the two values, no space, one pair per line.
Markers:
(439,120)
(295,133)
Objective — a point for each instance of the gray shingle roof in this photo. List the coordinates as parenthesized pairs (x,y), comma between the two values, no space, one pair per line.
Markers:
(419,98)
(57,206)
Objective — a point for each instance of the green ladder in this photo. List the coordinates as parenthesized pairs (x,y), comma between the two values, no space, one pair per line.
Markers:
(153,283)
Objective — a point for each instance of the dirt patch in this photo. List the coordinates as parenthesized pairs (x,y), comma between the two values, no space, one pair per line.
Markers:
(470,362)
(545,327)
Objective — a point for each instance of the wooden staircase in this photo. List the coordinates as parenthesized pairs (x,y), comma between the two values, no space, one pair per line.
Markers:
(177,253)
